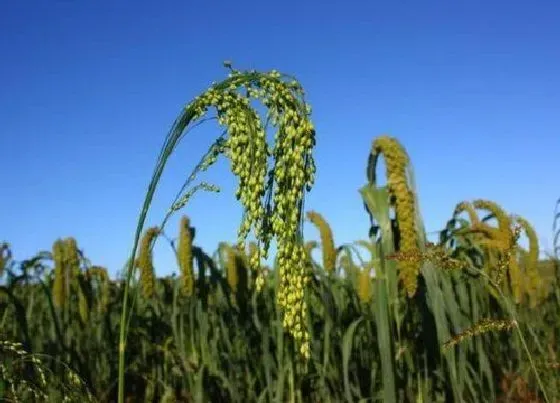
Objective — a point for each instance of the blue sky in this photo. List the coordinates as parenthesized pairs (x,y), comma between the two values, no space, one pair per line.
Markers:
(89,90)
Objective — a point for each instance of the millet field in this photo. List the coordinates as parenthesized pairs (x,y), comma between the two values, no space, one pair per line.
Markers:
(471,317)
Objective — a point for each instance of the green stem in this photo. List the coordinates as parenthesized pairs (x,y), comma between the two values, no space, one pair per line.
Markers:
(169,145)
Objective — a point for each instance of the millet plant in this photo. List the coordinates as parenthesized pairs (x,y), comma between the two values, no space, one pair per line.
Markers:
(271,196)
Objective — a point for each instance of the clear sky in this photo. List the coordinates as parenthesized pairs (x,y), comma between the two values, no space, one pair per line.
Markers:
(89,89)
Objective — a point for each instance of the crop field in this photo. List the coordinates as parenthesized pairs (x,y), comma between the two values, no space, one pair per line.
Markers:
(471,317)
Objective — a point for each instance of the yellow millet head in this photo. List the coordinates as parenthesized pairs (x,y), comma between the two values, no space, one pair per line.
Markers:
(396,162)
(72,257)
(327,241)
(468,208)
(145,262)
(502,241)
(504,221)
(531,259)
(364,284)
(491,237)
(508,263)
(499,251)
(232,268)
(185,257)
(60,275)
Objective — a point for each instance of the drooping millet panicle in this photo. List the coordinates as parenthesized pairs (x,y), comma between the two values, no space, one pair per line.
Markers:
(185,257)
(294,171)
(503,232)
(531,260)
(59,285)
(145,262)
(272,207)
(396,162)
(503,242)
(327,241)
(503,219)
(476,231)
(467,207)
(496,246)
(435,254)
(484,326)
(489,237)
(482,233)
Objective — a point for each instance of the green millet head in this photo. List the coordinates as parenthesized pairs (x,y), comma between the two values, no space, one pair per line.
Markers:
(278,216)
(145,262)
(364,284)
(59,286)
(185,256)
